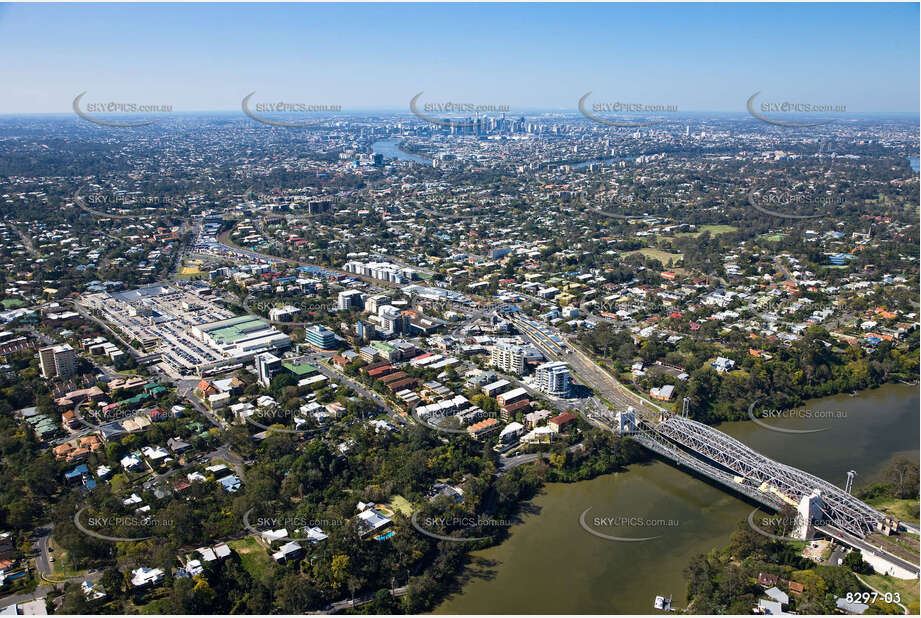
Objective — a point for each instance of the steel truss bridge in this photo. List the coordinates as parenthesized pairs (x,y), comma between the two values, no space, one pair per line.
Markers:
(771,483)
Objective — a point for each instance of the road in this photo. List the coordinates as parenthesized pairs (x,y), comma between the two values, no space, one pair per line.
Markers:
(507,463)
(26,242)
(783,269)
(223,452)
(185,388)
(43,338)
(867,548)
(319,361)
(587,371)
(338,606)
(87,315)
(43,567)
(42,562)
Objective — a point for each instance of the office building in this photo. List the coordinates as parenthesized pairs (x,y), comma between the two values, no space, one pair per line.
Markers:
(266,366)
(57,361)
(283,314)
(321,337)
(364,330)
(554,379)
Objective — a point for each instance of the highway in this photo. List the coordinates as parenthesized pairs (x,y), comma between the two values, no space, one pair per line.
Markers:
(587,371)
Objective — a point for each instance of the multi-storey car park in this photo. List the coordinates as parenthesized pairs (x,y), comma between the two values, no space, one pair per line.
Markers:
(189,331)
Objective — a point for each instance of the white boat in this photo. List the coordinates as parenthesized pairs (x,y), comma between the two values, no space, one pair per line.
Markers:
(663,603)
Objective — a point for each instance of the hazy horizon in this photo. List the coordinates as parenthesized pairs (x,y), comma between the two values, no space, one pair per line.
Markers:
(698,57)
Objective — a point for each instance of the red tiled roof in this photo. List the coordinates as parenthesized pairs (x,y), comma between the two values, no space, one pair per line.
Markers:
(562,419)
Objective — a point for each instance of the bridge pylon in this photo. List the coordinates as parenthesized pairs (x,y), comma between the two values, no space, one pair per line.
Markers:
(849,485)
(626,421)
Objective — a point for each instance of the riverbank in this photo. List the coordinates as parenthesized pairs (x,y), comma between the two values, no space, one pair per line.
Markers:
(550,564)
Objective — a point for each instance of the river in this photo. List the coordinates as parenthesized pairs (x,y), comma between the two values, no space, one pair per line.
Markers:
(390,149)
(549,564)
(582,164)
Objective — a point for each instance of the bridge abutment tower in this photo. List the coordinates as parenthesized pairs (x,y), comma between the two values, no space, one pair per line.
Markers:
(808,513)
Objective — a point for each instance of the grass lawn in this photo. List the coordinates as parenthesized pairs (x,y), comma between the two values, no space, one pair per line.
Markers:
(120,481)
(773,237)
(905,510)
(714,230)
(60,568)
(186,276)
(401,504)
(907,588)
(154,602)
(658,254)
(254,558)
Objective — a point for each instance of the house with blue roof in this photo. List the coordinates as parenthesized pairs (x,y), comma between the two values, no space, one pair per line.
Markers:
(76,474)
(230,483)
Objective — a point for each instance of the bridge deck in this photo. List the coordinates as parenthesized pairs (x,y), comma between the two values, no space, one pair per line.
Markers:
(661,447)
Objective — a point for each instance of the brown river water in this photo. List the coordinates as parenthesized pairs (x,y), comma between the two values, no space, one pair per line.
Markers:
(550,564)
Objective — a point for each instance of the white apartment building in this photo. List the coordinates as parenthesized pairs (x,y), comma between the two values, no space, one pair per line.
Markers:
(554,379)
(57,361)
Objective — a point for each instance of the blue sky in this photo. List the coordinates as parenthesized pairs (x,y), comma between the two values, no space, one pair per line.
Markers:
(706,57)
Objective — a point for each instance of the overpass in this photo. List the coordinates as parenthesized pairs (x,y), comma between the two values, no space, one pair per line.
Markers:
(726,460)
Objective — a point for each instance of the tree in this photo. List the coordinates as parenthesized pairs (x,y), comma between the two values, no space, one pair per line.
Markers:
(339,569)
(74,600)
(903,474)
(855,562)
(113,582)
(296,595)
(745,542)
(558,459)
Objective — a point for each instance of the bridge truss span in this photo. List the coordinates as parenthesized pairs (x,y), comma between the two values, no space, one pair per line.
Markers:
(774,479)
